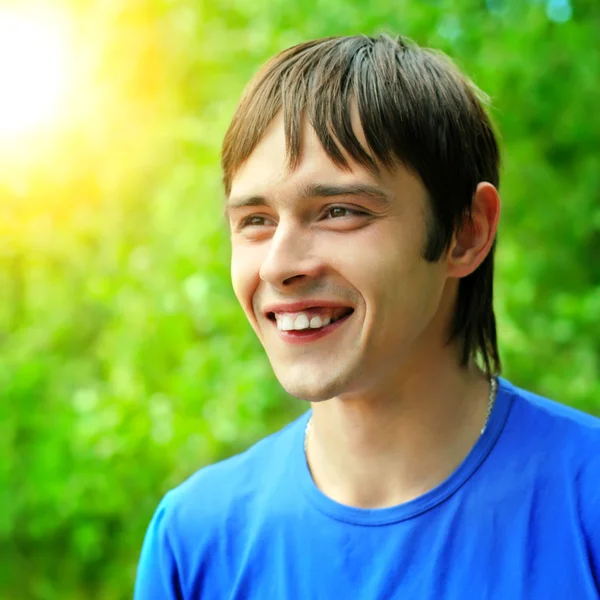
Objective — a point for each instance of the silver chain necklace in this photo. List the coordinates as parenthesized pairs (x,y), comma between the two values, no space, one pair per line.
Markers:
(490,406)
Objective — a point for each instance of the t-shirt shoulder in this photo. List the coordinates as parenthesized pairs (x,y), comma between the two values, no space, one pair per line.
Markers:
(565,443)
(548,416)
(220,489)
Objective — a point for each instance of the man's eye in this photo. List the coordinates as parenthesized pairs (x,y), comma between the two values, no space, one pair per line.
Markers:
(342,209)
(252,221)
(336,212)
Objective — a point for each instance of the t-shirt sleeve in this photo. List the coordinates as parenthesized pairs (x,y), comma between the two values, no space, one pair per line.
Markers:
(590,510)
(157,575)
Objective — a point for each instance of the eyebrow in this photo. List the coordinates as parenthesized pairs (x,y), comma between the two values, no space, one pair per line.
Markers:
(317,190)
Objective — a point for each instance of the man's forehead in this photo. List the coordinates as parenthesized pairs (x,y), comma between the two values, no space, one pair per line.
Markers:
(267,179)
(315,176)
(269,159)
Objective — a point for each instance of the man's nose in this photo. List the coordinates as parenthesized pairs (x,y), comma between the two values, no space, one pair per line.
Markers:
(291,254)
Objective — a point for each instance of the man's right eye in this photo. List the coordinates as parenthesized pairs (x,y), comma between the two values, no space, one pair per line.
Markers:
(251,221)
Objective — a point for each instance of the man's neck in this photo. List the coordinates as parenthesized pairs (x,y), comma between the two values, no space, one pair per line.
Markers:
(396,445)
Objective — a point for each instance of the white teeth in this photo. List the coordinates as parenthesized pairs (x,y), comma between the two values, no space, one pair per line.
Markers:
(299,322)
(316,322)
(286,324)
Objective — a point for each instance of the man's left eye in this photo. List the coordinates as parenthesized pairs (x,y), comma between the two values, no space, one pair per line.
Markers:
(350,211)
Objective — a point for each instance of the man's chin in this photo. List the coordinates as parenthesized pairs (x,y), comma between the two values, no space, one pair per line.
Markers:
(307,396)
(311,389)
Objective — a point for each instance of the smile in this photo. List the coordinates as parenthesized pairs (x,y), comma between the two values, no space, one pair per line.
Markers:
(305,336)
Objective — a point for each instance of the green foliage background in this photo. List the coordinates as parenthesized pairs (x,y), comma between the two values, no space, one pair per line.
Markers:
(126,363)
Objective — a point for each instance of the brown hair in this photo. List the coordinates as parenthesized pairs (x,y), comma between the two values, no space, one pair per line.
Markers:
(415,108)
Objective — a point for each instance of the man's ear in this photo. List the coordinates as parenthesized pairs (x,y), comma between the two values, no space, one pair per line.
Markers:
(472,242)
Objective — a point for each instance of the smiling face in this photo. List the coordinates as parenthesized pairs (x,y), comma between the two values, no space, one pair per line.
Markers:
(323,233)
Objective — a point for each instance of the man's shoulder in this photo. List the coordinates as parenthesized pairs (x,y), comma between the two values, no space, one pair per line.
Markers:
(550,455)
(565,440)
(548,418)
(231,486)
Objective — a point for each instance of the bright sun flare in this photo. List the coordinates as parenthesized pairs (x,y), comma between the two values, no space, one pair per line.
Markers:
(34,71)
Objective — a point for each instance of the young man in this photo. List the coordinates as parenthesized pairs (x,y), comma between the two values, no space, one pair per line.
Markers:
(361,177)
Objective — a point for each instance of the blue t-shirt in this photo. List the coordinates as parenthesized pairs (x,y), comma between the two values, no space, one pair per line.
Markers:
(518,520)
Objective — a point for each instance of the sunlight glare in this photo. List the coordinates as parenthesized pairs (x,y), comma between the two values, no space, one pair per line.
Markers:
(34,70)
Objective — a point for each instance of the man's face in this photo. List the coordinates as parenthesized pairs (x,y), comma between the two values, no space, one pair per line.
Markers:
(301,242)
